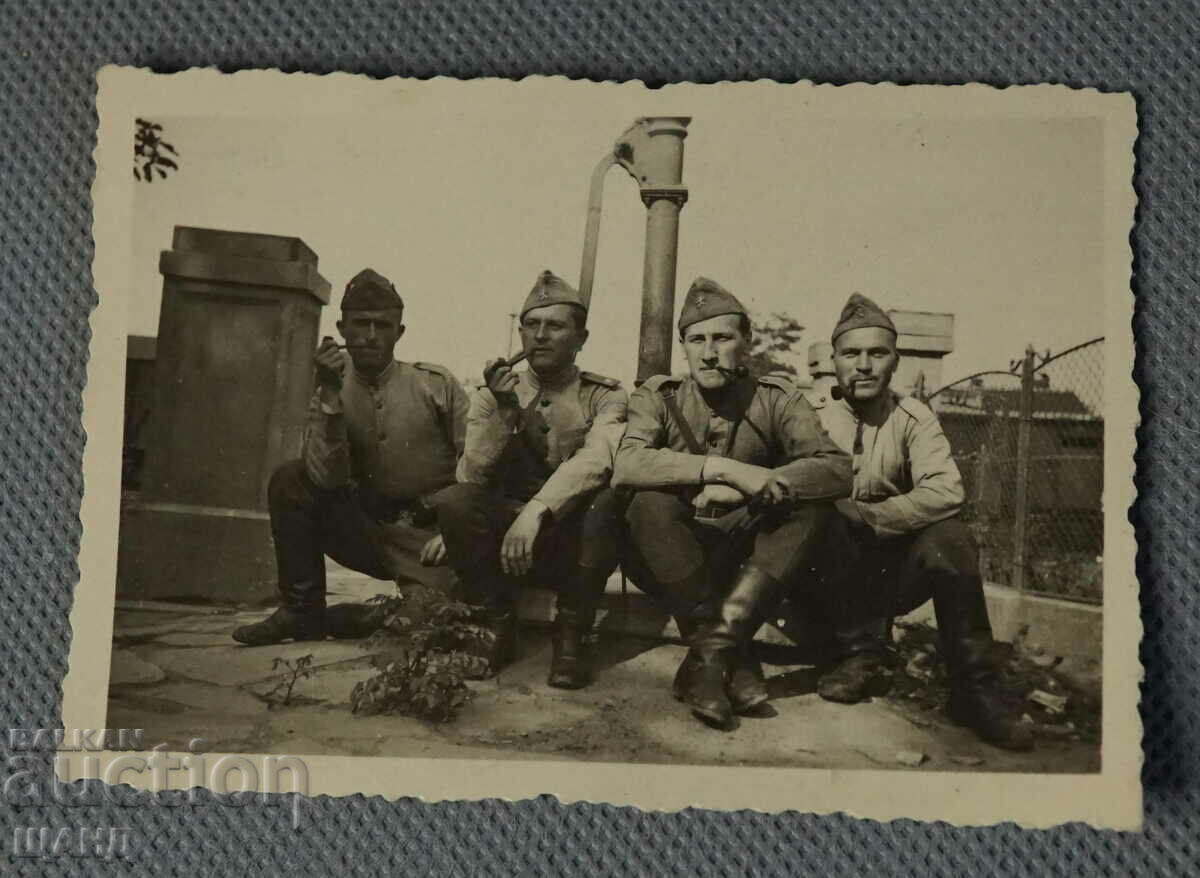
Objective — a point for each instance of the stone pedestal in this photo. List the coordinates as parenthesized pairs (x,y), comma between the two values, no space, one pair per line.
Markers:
(923,340)
(233,376)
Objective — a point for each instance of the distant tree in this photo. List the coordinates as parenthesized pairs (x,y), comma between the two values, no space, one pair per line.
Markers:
(774,338)
(149,152)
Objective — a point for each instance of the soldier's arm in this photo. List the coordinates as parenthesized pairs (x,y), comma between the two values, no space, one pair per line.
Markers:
(642,459)
(816,468)
(488,430)
(455,406)
(937,492)
(326,449)
(591,467)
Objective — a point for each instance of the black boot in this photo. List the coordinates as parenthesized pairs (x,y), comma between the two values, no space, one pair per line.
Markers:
(719,650)
(861,669)
(499,648)
(286,623)
(754,596)
(976,699)
(571,662)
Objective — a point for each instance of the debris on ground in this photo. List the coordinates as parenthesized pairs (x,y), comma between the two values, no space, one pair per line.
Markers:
(1038,693)
(910,758)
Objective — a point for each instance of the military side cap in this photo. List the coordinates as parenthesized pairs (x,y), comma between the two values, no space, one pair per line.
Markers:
(707,298)
(550,289)
(370,291)
(860,313)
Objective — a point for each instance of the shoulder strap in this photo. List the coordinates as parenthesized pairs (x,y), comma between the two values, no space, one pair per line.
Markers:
(667,392)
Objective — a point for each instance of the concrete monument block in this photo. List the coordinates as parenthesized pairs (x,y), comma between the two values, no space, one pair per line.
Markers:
(923,340)
(233,376)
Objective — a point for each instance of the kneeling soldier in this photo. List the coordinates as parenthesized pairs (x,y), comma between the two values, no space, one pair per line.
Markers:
(533,499)
(729,471)
(901,540)
(382,438)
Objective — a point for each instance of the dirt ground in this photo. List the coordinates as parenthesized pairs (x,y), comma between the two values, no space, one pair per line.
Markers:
(178,675)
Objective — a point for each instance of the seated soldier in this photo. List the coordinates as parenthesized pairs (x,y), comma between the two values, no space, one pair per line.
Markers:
(382,438)
(533,503)
(733,475)
(900,540)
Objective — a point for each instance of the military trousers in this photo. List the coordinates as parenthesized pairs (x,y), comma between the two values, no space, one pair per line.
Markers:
(474,519)
(671,545)
(871,580)
(309,524)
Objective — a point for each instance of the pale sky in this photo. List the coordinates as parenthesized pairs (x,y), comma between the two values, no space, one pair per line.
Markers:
(996,220)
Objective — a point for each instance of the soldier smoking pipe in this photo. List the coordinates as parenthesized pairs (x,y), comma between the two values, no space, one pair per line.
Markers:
(736,371)
(507,364)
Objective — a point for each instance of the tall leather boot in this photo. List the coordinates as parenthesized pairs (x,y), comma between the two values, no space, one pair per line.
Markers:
(708,670)
(975,699)
(747,607)
(861,668)
(571,660)
(301,616)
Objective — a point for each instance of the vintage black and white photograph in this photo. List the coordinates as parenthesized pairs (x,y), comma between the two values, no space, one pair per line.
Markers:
(597,431)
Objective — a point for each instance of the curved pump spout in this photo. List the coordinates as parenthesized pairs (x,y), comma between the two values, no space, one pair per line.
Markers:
(651,150)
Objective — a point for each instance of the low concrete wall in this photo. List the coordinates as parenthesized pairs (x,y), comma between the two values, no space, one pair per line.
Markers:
(1051,626)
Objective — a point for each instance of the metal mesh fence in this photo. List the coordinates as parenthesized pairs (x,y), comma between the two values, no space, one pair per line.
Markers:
(1030,445)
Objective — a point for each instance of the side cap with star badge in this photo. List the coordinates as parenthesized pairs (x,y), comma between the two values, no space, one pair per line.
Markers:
(549,289)
(859,313)
(707,298)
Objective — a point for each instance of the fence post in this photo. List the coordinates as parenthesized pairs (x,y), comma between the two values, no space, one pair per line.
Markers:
(1021,510)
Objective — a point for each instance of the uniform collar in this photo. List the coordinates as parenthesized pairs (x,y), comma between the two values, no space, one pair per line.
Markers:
(378,380)
(885,410)
(563,380)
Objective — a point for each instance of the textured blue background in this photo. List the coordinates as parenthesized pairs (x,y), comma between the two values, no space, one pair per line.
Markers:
(50,52)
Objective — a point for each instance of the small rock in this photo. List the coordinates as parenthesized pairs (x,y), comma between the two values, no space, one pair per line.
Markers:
(911,758)
(967,760)
(1055,704)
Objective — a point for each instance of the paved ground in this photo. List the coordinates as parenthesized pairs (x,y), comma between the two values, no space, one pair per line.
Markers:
(177,675)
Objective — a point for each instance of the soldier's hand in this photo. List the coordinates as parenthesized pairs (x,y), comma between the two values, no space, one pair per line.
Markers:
(433,553)
(331,364)
(516,552)
(745,477)
(775,492)
(719,495)
(502,381)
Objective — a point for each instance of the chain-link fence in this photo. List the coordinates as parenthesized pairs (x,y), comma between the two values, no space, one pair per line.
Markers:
(1030,445)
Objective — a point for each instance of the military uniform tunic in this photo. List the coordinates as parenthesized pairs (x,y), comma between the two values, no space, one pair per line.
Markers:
(763,421)
(905,477)
(557,447)
(767,422)
(382,445)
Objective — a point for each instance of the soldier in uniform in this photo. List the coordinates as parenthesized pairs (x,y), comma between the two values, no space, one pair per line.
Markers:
(734,477)
(383,437)
(533,501)
(900,540)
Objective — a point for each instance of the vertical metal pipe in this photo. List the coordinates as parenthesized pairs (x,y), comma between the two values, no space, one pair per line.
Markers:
(658,288)
(1021,511)
(657,163)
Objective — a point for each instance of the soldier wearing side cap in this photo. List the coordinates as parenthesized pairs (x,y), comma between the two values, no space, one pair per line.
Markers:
(533,503)
(899,540)
(733,476)
(383,437)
